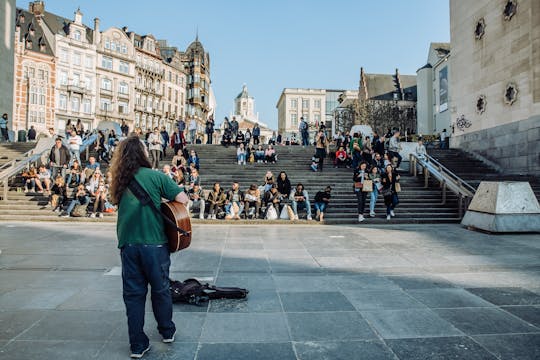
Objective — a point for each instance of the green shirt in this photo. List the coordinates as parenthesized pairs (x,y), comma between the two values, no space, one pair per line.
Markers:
(138,224)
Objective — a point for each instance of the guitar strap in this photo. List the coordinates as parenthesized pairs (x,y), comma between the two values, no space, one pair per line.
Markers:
(145,199)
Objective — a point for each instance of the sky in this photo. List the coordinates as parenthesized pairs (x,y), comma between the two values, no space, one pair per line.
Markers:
(277,44)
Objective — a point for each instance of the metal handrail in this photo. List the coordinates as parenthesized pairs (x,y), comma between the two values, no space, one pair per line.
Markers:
(446,178)
(16,166)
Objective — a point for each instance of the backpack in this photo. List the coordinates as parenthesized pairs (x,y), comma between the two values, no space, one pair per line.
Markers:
(191,291)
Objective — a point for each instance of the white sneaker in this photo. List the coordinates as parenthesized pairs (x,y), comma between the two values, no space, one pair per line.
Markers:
(295,217)
(309,217)
(169,340)
(392,213)
(361,218)
(388,217)
(372,214)
(100,215)
(138,355)
(92,215)
(201,217)
(214,217)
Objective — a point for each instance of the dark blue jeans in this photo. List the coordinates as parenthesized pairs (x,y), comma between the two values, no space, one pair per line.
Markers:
(143,265)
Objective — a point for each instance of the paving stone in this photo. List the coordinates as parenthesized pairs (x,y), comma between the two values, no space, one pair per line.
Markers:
(439,348)
(119,350)
(12,323)
(381,300)
(87,325)
(65,279)
(421,282)
(304,282)
(448,298)
(248,281)
(94,300)
(507,296)
(512,347)
(293,265)
(410,323)
(530,314)
(58,350)
(257,301)
(476,321)
(362,282)
(343,350)
(244,265)
(237,327)
(246,351)
(315,301)
(34,298)
(325,326)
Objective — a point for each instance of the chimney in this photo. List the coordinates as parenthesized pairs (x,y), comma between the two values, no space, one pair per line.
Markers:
(97,34)
(37,8)
(132,38)
(125,29)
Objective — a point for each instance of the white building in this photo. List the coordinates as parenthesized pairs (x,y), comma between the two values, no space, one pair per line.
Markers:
(296,103)
(7,51)
(433,113)
(75,54)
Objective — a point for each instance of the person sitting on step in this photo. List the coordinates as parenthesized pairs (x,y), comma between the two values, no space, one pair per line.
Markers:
(322,199)
(241,154)
(252,198)
(216,200)
(196,200)
(259,154)
(269,180)
(300,197)
(234,203)
(43,181)
(79,198)
(341,158)
(272,197)
(270,155)
(58,194)
(29,178)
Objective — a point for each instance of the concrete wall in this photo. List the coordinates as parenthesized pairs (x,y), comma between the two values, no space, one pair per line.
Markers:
(509,52)
(424,106)
(7,30)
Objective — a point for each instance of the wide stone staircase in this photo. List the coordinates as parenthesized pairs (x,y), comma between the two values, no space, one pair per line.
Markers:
(10,151)
(218,164)
(474,171)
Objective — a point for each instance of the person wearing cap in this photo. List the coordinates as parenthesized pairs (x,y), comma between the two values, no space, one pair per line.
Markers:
(322,198)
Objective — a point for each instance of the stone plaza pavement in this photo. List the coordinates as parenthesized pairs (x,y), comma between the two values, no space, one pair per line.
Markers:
(316,292)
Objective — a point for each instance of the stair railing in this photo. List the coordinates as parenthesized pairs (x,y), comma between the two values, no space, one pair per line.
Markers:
(447,180)
(16,166)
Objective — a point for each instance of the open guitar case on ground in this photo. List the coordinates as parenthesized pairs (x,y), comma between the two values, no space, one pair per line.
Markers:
(193,292)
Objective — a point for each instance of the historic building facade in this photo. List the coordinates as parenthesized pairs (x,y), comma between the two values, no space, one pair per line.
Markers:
(75,54)
(174,95)
(35,72)
(7,54)
(115,75)
(495,81)
(244,113)
(294,104)
(433,110)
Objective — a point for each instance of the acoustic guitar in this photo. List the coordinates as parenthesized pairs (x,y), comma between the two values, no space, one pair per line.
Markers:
(177,225)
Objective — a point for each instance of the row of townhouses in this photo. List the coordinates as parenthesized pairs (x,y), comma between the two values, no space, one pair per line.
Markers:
(65,70)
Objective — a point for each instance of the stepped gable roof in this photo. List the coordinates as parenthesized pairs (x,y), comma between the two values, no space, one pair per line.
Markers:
(60,25)
(244,94)
(383,86)
(31,33)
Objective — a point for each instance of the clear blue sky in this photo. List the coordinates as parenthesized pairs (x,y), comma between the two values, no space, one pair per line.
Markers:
(271,45)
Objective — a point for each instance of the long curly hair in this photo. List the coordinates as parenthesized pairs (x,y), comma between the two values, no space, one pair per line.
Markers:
(129,156)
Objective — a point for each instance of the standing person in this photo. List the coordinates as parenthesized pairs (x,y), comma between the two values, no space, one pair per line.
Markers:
(322,199)
(394,147)
(355,147)
(367,150)
(234,127)
(444,139)
(248,137)
(303,128)
(68,128)
(59,158)
(321,142)
(124,128)
(142,242)
(192,130)
(181,125)
(279,139)
(209,129)
(241,154)
(75,143)
(378,144)
(31,133)
(3,127)
(360,175)
(155,146)
(374,176)
(176,141)
(165,143)
(421,153)
(100,147)
(256,134)
(79,127)
(391,200)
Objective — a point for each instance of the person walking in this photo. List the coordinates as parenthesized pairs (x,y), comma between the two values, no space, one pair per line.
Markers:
(75,143)
(59,158)
(321,142)
(155,142)
(256,134)
(394,147)
(142,242)
(192,130)
(303,128)
(124,128)
(165,143)
(391,199)
(3,127)
(359,177)
(209,129)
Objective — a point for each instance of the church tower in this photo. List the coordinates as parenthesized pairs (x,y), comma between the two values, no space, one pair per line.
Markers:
(244,105)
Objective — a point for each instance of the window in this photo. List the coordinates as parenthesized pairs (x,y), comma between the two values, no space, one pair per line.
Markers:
(124,67)
(88,82)
(33,95)
(107,44)
(137,119)
(76,80)
(41,92)
(294,120)
(89,62)
(113,46)
(305,103)
(123,49)
(138,99)
(64,55)
(62,102)
(106,84)
(31,73)
(41,74)
(77,58)
(75,104)
(63,78)
(317,104)
(122,107)
(106,62)
(77,35)
(105,104)
(294,103)
(123,88)
(87,106)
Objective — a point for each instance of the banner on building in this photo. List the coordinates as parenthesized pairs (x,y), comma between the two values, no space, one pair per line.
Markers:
(443,89)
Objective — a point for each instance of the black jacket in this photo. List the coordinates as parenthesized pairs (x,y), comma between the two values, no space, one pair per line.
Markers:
(65,155)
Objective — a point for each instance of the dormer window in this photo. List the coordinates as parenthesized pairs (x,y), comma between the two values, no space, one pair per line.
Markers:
(77,35)
(29,44)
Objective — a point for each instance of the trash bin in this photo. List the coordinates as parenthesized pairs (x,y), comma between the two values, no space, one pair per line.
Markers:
(21,136)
